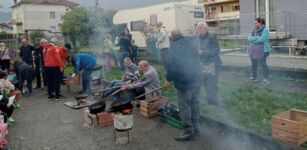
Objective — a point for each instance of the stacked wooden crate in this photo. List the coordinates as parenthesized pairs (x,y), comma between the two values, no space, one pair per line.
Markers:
(290,127)
(149,108)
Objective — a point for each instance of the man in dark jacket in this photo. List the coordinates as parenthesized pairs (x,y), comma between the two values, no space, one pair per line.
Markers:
(26,52)
(210,62)
(124,46)
(24,72)
(183,70)
(38,51)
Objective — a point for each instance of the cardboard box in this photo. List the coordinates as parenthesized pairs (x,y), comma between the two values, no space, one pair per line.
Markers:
(290,127)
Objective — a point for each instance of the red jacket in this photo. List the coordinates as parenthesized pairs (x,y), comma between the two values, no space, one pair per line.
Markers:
(52,57)
(63,54)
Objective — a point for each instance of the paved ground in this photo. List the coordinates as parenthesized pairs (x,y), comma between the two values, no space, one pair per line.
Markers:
(49,125)
(277,61)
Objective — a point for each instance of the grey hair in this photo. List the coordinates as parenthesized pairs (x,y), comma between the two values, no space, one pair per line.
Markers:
(44,40)
(145,63)
(128,59)
(203,24)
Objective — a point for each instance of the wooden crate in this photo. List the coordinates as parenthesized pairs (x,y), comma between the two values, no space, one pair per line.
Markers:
(105,119)
(149,108)
(290,127)
(71,81)
(90,119)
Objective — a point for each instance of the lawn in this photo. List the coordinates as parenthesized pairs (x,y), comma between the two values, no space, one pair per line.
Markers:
(241,105)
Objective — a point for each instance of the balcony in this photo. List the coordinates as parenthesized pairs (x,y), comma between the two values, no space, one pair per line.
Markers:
(212,2)
(223,16)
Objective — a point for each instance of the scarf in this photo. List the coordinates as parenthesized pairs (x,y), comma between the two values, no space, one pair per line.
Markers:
(258,31)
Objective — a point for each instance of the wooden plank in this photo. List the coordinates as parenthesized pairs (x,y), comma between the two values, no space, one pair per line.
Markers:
(285,127)
(284,138)
(284,121)
(285,133)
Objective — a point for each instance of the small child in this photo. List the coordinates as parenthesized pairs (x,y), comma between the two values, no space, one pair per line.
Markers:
(134,49)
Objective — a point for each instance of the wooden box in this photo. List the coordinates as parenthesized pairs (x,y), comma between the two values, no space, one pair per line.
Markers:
(73,80)
(290,127)
(149,108)
(90,119)
(105,119)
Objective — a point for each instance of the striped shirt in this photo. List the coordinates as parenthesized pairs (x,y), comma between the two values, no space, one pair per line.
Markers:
(132,73)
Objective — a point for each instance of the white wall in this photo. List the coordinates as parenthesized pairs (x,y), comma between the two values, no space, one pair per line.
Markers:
(37,17)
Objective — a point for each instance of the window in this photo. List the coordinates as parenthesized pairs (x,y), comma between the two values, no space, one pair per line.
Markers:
(222,9)
(52,15)
(53,28)
(198,14)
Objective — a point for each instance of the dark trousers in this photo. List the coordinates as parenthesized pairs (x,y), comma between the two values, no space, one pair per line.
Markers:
(5,64)
(38,75)
(86,80)
(44,76)
(264,66)
(163,53)
(211,86)
(53,80)
(122,56)
(188,102)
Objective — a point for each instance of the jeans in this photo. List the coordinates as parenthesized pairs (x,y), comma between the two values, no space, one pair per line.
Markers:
(113,83)
(188,102)
(211,86)
(264,66)
(163,54)
(53,80)
(122,56)
(86,80)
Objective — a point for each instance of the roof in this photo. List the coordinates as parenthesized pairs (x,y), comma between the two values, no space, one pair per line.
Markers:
(47,2)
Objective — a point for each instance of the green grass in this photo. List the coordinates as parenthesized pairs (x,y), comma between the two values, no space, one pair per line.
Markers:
(241,105)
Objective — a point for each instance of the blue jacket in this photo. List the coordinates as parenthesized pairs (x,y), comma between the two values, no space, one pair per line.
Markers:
(264,39)
(84,61)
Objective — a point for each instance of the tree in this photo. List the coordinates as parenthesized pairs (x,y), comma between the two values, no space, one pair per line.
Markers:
(36,36)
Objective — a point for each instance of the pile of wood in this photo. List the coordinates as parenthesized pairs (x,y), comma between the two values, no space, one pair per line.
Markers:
(290,127)
(102,119)
(150,108)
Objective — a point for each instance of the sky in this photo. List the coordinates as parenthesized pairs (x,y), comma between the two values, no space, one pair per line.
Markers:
(107,4)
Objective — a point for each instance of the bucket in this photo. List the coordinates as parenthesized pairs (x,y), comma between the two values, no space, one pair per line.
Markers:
(123,122)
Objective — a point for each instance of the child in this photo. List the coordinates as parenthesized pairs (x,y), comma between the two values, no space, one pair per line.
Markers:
(5,84)
(134,49)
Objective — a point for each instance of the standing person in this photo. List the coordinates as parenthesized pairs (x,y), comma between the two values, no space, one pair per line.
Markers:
(163,42)
(64,54)
(5,58)
(24,72)
(53,67)
(85,62)
(183,70)
(209,50)
(134,51)
(124,46)
(26,52)
(38,49)
(107,51)
(43,42)
(259,50)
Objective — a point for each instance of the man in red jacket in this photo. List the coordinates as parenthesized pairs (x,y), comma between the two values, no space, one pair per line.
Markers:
(53,68)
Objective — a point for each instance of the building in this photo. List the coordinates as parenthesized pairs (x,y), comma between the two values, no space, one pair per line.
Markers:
(39,15)
(7,28)
(221,15)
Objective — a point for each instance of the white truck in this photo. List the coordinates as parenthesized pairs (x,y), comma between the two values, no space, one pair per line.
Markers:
(180,15)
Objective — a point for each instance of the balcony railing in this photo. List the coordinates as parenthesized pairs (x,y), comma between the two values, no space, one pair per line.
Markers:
(209,2)
(223,16)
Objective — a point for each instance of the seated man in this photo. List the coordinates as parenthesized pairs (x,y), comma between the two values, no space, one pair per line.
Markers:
(85,62)
(130,75)
(149,82)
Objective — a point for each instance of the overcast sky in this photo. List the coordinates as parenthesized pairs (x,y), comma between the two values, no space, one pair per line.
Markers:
(107,4)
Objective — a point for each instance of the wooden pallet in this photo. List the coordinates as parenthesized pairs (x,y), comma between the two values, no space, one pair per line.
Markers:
(290,127)
(149,108)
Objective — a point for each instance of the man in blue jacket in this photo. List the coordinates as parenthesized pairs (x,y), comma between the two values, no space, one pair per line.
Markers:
(85,62)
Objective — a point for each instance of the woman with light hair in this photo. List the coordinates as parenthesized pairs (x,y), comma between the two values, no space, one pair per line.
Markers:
(107,51)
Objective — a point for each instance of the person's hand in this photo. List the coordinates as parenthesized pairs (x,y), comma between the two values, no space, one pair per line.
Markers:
(124,86)
(168,84)
(73,75)
(128,82)
(61,69)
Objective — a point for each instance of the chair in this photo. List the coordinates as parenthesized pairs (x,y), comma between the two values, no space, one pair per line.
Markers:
(97,77)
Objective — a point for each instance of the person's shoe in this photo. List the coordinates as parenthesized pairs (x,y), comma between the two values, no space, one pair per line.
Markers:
(184,137)
(57,98)
(50,97)
(265,82)
(37,88)
(252,79)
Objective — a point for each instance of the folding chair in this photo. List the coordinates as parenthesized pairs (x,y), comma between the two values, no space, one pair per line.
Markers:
(97,77)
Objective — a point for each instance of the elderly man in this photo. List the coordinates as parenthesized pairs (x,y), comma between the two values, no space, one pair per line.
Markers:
(210,61)
(130,75)
(26,52)
(183,70)
(53,67)
(163,42)
(148,82)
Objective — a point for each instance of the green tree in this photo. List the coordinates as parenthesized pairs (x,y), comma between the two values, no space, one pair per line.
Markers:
(36,36)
